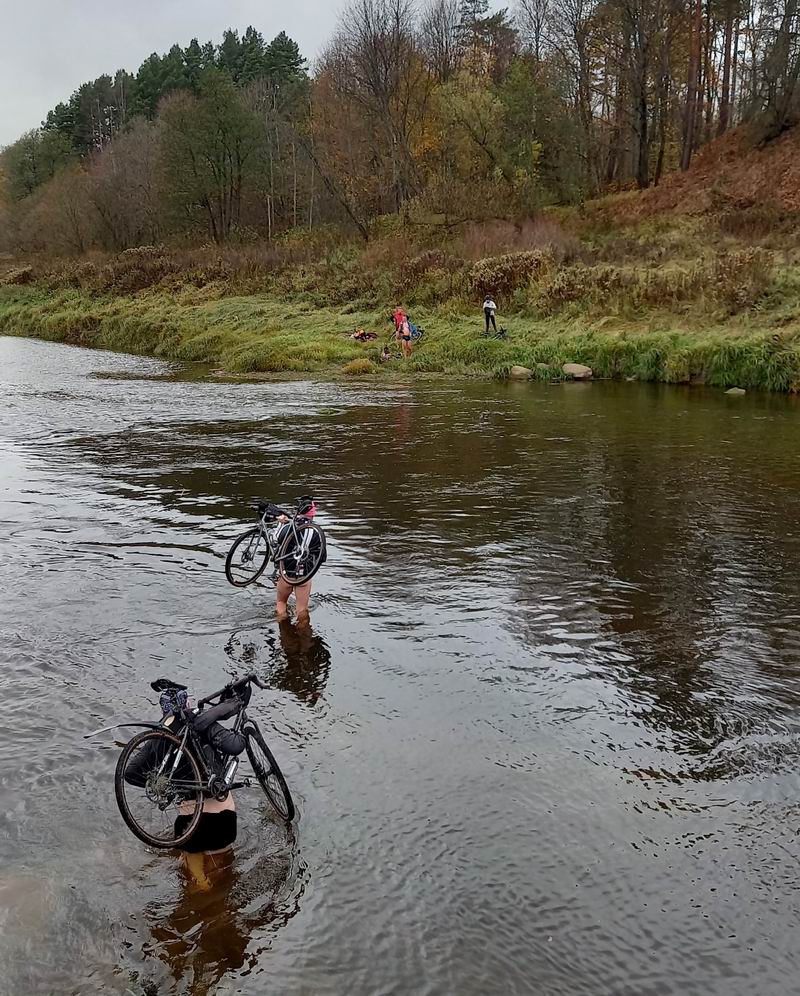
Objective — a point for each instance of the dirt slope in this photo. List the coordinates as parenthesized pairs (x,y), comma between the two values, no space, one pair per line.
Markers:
(729,173)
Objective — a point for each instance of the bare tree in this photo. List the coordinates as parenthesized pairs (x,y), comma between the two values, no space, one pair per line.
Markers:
(693,89)
(532,17)
(439,39)
(375,61)
(123,187)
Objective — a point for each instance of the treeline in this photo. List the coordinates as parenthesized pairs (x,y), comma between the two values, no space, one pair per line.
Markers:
(444,113)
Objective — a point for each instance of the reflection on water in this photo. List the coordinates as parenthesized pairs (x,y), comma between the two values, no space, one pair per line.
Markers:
(296,659)
(301,662)
(542,729)
(206,931)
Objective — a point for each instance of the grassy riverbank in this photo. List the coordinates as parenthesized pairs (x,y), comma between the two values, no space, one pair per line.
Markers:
(256,333)
(678,301)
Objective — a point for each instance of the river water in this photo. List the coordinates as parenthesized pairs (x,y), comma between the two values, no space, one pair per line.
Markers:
(543,731)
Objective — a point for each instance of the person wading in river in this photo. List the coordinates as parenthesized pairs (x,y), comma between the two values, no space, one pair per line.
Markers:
(215,834)
(302,592)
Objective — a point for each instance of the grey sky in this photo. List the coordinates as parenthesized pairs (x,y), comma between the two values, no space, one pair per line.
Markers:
(50,47)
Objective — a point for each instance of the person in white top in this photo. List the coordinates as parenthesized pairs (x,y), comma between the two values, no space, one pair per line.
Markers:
(489,308)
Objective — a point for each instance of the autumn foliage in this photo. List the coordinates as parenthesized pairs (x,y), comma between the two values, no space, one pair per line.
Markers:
(443,115)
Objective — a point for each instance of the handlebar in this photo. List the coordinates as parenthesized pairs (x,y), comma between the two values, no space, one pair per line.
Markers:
(253,678)
(270,510)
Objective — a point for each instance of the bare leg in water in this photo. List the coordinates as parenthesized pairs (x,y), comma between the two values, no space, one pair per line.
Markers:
(302,593)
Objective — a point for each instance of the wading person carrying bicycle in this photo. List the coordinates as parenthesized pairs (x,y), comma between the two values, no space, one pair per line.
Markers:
(174,782)
(294,543)
(283,585)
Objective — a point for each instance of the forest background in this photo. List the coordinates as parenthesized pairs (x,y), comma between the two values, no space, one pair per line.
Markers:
(621,174)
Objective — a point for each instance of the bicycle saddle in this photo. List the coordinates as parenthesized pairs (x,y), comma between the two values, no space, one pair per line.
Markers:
(164,685)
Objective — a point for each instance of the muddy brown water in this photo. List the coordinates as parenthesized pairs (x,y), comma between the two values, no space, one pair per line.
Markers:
(542,733)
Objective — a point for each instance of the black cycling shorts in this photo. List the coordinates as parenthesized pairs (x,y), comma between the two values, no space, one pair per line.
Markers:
(213,832)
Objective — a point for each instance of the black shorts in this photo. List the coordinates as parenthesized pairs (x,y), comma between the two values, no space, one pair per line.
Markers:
(213,832)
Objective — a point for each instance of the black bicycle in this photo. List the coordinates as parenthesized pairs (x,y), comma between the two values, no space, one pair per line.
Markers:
(294,543)
(168,770)
(500,333)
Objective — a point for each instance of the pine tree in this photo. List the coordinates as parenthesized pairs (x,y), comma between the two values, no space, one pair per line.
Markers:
(282,59)
(62,120)
(173,69)
(472,17)
(473,11)
(148,85)
(194,63)
(252,63)
(230,55)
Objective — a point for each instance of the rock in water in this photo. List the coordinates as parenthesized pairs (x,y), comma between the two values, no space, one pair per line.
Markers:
(520,373)
(736,391)
(577,371)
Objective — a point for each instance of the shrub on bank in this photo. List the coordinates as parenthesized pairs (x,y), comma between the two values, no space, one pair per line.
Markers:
(136,270)
(740,279)
(18,277)
(732,280)
(503,274)
(414,268)
(359,366)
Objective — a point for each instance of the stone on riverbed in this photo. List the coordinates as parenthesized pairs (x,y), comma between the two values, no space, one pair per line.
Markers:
(736,391)
(577,371)
(520,373)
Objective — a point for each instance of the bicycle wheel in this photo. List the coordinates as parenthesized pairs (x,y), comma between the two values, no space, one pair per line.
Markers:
(269,775)
(152,790)
(247,558)
(301,554)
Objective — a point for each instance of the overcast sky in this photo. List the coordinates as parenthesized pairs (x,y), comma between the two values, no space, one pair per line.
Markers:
(50,47)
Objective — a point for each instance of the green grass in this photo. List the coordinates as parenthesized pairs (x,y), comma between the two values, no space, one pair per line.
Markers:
(260,334)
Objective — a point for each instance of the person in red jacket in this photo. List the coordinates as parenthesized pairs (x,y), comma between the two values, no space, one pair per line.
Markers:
(402,331)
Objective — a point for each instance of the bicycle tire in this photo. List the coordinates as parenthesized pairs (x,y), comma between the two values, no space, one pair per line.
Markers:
(120,787)
(249,535)
(312,563)
(278,794)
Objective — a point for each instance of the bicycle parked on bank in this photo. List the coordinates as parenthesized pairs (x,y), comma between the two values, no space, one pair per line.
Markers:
(499,333)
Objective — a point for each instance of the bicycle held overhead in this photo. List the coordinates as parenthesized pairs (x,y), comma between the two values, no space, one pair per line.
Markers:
(165,773)
(289,538)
